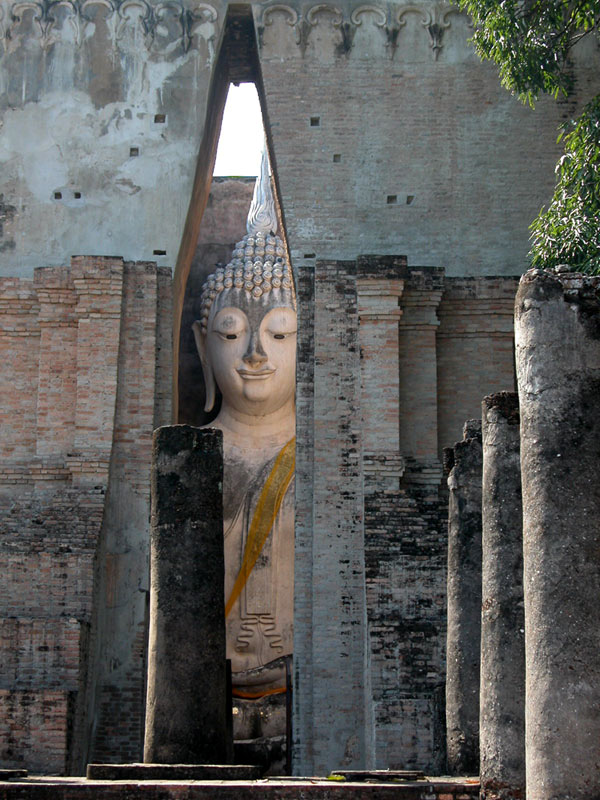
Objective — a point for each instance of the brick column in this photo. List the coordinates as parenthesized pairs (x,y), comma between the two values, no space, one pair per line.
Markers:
(58,362)
(98,284)
(163,391)
(379,314)
(418,375)
(333,710)
(19,349)
(124,552)
(302,697)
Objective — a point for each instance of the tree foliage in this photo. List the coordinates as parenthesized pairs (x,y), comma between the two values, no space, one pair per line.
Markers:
(568,232)
(530,41)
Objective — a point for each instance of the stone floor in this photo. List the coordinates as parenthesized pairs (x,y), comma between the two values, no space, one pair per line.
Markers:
(51,788)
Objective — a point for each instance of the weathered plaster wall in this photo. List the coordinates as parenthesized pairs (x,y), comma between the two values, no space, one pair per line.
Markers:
(388,133)
(103,106)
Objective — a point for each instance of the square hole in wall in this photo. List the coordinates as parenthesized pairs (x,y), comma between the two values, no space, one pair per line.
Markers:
(392,199)
(409,199)
(315,122)
(160,118)
(159,252)
(77,195)
(58,195)
(134,151)
(309,255)
(336,158)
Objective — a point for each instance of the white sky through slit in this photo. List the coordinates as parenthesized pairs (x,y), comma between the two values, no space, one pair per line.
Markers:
(242,136)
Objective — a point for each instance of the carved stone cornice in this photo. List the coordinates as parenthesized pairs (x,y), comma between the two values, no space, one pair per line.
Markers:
(163,25)
(388,18)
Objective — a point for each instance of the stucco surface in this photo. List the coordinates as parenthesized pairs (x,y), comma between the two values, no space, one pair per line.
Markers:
(103,104)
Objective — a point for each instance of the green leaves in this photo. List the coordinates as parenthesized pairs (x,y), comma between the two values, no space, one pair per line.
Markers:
(530,41)
(568,232)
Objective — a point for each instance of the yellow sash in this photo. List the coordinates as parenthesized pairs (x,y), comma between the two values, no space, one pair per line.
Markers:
(267,509)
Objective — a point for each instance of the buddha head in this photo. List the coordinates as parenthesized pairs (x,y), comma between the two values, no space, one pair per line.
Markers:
(246,335)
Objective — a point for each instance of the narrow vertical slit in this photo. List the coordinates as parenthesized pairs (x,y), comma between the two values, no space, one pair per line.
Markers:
(209,238)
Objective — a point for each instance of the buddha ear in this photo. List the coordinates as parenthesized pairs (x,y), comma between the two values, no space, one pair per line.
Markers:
(209,378)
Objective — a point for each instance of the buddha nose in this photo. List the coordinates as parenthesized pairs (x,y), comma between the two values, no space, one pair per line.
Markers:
(255,354)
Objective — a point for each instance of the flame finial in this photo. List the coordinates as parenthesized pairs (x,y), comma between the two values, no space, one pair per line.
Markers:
(261,216)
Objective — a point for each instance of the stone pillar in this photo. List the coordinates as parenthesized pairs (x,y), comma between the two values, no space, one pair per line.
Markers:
(186,700)
(502,695)
(557,336)
(464,603)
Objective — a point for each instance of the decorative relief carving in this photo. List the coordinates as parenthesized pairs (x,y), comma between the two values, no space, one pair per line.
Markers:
(324,8)
(291,13)
(381,18)
(336,18)
(438,25)
(41,20)
(422,11)
(164,25)
(172,23)
(389,18)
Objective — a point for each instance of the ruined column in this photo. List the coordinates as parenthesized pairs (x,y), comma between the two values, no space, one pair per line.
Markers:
(502,695)
(464,603)
(557,327)
(186,704)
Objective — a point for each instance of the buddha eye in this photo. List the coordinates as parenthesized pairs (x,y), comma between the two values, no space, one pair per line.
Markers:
(231,336)
(279,335)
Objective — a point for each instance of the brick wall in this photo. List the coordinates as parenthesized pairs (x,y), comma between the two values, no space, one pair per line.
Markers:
(475,344)
(405,553)
(378,487)
(390,136)
(85,376)
(403,350)
(35,729)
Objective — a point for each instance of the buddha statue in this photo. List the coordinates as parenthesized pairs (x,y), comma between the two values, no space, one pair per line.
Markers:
(246,339)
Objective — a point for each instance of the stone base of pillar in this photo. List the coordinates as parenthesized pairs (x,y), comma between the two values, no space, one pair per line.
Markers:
(172,772)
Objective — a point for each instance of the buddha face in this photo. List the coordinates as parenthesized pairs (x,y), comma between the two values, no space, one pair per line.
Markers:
(249,349)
